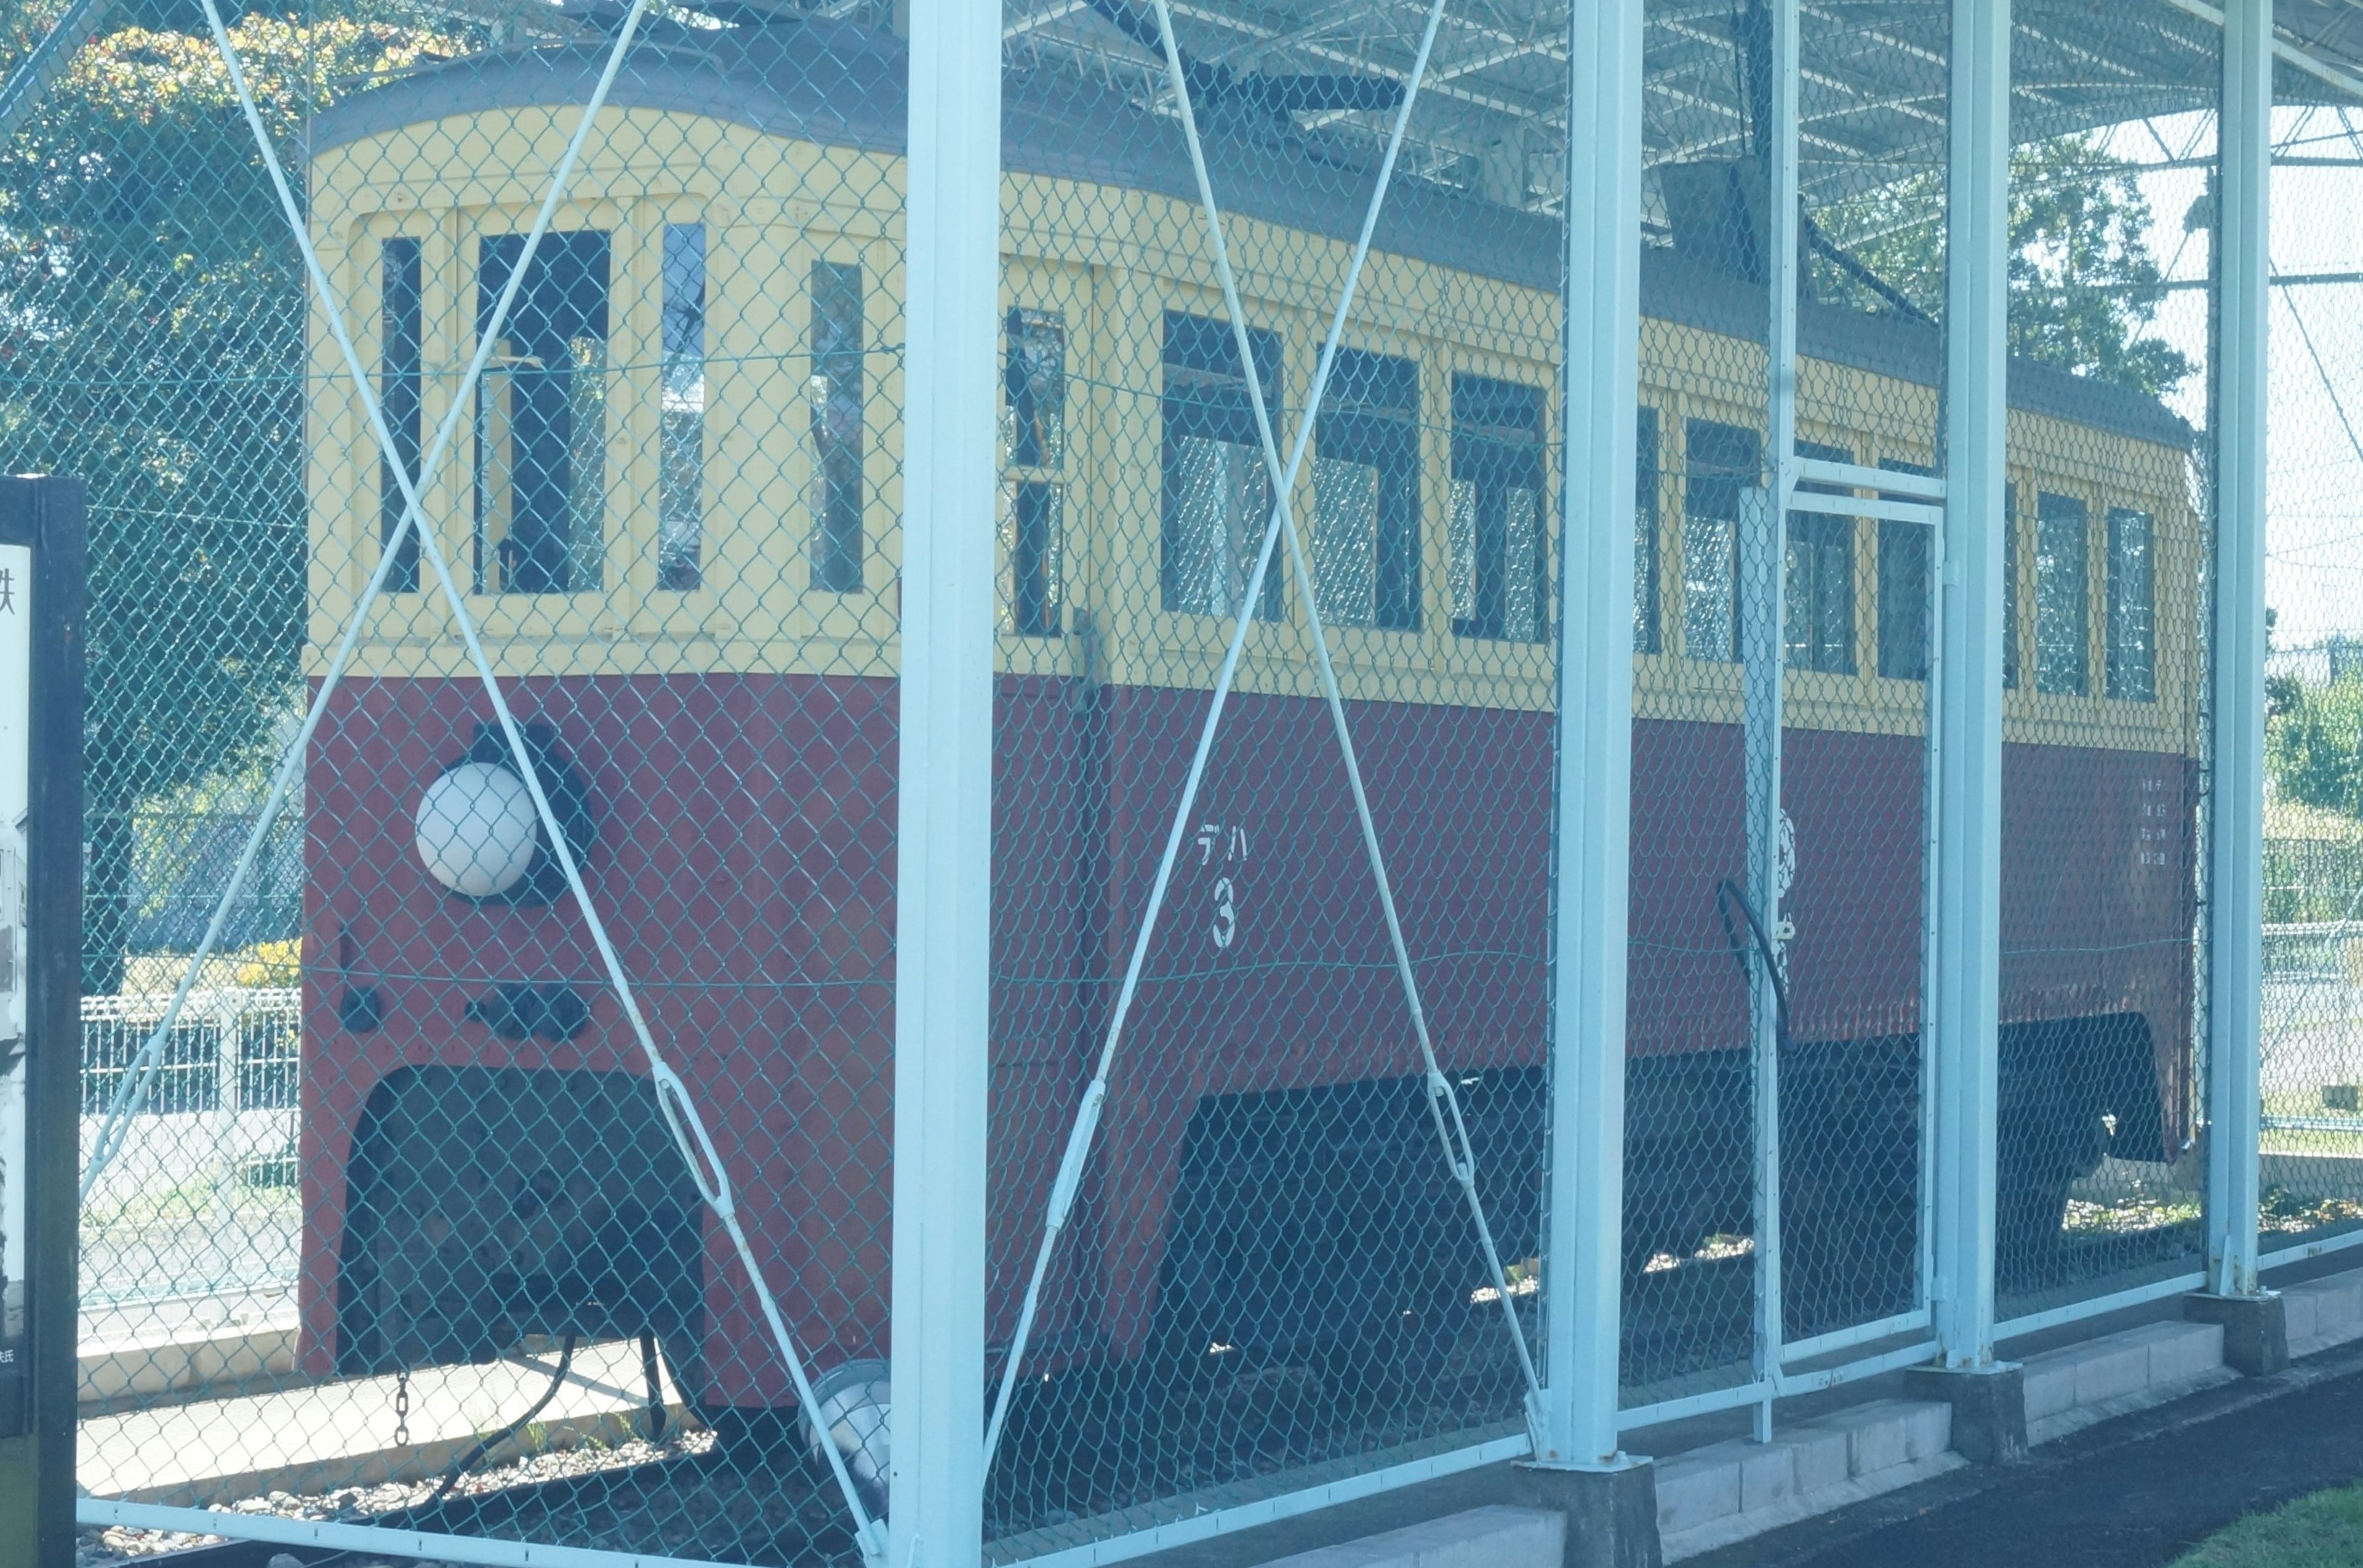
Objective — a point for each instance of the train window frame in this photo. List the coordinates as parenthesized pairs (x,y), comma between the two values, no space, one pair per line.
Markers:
(1205,416)
(2063,595)
(402,386)
(2130,628)
(1488,510)
(836,346)
(1710,571)
(683,395)
(2013,598)
(1648,599)
(1033,422)
(1815,541)
(1034,389)
(576,563)
(1033,537)
(1368,426)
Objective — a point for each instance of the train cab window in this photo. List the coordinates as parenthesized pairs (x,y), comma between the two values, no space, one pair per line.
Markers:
(402,333)
(1646,634)
(1217,498)
(541,417)
(2063,586)
(1904,584)
(1366,493)
(1034,391)
(2009,594)
(1033,448)
(1719,462)
(2133,606)
(1817,620)
(835,393)
(1031,528)
(681,462)
(1500,542)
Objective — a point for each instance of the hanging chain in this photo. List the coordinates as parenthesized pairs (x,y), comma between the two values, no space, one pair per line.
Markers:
(402,1408)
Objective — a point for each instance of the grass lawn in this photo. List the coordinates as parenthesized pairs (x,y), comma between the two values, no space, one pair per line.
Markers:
(2325,1530)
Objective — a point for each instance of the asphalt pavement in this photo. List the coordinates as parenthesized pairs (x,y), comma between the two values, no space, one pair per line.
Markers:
(2130,1492)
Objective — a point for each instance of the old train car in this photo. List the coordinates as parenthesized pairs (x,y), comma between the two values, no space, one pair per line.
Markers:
(672,512)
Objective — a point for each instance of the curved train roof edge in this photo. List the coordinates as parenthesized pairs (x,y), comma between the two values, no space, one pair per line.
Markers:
(840,85)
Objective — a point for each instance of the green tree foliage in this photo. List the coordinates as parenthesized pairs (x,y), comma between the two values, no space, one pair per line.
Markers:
(2313,747)
(152,340)
(2084,287)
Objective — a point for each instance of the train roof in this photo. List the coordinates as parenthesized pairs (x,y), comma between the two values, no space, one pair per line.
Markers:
(840,85)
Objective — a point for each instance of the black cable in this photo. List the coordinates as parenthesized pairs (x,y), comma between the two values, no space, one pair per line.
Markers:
(650,1369)
(1727,893)
(485,1445)
(1848,262)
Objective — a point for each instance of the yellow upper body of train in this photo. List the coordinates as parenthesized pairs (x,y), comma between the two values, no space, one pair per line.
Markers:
(700,390)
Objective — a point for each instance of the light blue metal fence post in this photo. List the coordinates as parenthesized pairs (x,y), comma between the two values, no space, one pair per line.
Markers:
(943,790)
(1965,905)
(2235,821)
(1576,1427)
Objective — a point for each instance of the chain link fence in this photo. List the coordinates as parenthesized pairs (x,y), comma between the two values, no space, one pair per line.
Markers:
(493,418)
(1273,798)
(582,594)
(2106,667)
(2310,1178)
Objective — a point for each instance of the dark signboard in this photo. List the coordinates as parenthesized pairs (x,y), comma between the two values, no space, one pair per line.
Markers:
(41,589)
(15,783)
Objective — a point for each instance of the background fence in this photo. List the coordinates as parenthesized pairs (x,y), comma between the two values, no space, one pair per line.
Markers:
(195,1227)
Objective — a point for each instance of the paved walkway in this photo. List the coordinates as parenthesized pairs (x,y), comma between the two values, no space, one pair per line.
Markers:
(317,1437)
(2131,1493)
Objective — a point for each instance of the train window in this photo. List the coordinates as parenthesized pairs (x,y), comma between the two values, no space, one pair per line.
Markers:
(1646,631)
(1034,390)
(401,371)
(681,462)
(1499,545)
(1904,589)
(1217,493)
(1719,462)
(1033,438)
(835,393)
(1031,538)
(2133,606)
(1366,493)
(542,417)
(1817,621)
(2063,586)
(2010,596)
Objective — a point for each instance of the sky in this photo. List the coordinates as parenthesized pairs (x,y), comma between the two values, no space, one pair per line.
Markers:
(2313,577)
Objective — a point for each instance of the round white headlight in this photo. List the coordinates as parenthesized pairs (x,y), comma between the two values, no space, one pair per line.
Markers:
(477,830)
(855,1404)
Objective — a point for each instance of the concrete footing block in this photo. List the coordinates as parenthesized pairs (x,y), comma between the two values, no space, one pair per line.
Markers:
(1612,1512)
(2256,1329)
(1988,1407)
(2320,1313)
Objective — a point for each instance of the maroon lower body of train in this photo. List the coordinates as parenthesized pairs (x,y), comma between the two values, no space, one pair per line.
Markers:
(483,1158)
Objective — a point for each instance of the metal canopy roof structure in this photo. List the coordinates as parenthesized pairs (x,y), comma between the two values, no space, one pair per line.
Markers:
(1872,100)
(1492,112)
